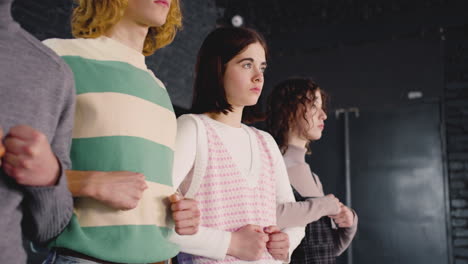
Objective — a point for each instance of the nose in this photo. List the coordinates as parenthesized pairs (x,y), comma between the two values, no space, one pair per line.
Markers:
(258,77)
(323,115)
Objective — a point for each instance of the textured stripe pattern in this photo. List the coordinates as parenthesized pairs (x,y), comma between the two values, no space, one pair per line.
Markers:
(116,114)
(151,210)
(226,200)
(124,122)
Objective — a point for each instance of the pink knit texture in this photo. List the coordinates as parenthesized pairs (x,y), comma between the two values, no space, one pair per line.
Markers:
(226,200)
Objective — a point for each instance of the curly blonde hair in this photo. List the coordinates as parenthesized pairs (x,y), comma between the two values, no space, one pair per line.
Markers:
(92,18)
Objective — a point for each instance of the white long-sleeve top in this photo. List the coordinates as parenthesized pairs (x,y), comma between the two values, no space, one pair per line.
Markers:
(214,243)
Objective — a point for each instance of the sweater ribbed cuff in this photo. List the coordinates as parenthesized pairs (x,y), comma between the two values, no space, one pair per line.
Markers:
(51,208)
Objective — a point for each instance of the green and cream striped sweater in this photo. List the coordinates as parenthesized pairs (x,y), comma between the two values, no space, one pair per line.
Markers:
(124,122)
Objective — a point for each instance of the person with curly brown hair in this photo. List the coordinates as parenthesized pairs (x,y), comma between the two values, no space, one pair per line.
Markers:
(123,138)
(296,116)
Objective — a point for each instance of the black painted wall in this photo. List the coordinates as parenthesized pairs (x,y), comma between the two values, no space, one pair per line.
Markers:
(456,98)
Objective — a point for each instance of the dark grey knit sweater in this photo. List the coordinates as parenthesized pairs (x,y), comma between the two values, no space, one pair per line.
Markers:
(36,89)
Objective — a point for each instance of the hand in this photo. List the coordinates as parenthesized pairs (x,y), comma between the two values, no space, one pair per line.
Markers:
(185,213)
(248,243)
(29,158)
(2,148)
(278,243)
(336,204)
(120,190)
(345,218)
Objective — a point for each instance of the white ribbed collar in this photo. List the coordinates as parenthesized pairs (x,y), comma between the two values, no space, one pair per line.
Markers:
(121,52)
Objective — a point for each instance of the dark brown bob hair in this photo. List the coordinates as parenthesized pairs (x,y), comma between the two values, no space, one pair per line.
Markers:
(218,48)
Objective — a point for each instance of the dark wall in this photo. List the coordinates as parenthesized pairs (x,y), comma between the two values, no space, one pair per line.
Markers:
(44,19)
(370,75)
(456,99)
(332,38)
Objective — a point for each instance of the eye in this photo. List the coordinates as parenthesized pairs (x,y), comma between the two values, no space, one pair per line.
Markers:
(263,69)
(247,66)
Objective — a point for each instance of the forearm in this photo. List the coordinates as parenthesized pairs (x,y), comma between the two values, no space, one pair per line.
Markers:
(185,149)
(49,210)
(284,195)
(344,236)
(207,242)
(293,214)
(78,183)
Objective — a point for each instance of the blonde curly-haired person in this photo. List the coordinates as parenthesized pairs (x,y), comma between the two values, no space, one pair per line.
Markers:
(123,139)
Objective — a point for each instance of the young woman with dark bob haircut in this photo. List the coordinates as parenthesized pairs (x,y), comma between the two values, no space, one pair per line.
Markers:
(296,116)
(235,172)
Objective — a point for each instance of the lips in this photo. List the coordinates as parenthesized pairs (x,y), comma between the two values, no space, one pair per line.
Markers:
(256,90)
(162,2)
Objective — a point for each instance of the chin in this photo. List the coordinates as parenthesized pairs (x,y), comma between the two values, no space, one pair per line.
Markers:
(252,102)
(314,137)
(156,18)
(157,23)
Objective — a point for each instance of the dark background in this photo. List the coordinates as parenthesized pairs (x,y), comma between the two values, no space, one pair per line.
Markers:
(365,54)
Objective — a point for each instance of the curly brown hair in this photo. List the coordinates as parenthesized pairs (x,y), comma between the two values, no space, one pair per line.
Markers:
(289,100)
(92,18)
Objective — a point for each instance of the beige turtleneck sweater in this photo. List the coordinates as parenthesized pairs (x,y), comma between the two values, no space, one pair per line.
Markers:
(308,185)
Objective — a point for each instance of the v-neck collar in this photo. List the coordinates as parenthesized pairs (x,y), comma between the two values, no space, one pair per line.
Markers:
(252,175)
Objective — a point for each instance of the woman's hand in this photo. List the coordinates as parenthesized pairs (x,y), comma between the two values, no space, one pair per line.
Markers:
(345,218)
(278,243)
(248,243)
(185,213)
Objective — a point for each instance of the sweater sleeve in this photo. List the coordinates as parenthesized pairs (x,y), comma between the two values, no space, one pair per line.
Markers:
(302,213)
(284,192)
(185,149)
(49,209)
(344,236)
(207,242)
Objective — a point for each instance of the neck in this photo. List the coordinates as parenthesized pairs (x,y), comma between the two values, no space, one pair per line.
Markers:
(297,141)
(129,33)
(233,118)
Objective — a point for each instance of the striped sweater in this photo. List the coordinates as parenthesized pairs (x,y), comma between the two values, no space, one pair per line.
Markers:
(124,122)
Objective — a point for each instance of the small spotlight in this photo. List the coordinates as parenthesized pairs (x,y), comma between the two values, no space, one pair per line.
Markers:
(237,21)
(415,95)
